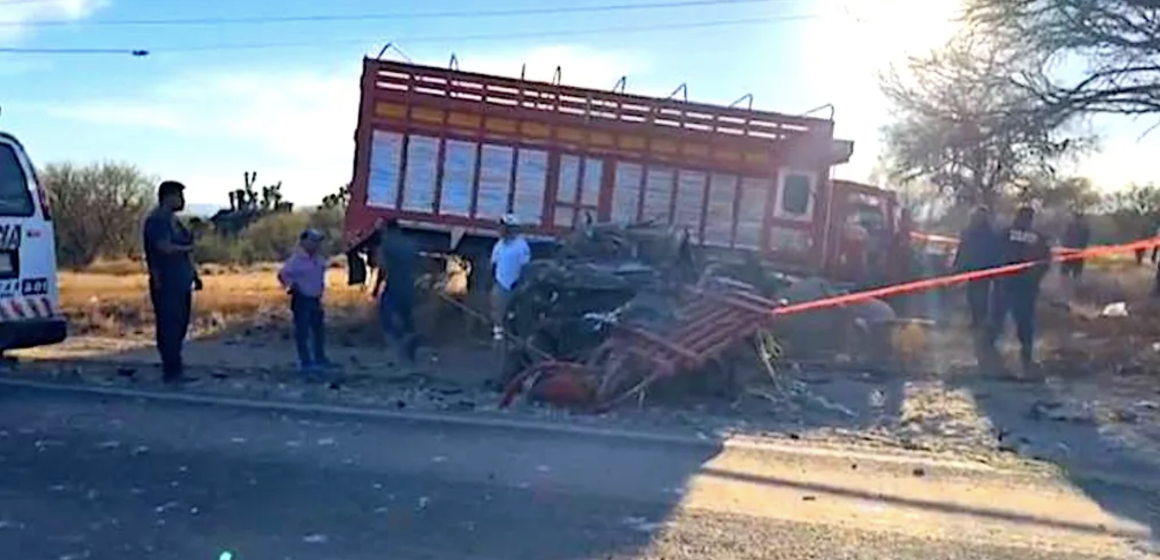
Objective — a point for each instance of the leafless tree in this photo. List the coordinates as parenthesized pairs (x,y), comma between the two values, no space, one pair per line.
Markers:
(98,209)
(1093,56)
(962,125)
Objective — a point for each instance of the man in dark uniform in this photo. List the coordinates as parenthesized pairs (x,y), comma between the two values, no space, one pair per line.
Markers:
(399,258)
(172,276)
(977,251)
(1077,236)
(1016,294)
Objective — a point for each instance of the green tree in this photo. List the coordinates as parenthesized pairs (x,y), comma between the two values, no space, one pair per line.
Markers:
(330,222)
(274,237)
(98,209)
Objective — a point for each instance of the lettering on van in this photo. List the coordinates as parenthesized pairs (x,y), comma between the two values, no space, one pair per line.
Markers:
(9,288)
(34,286)
(10,236)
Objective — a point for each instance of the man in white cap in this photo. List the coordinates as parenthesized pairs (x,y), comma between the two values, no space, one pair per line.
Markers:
(508,258)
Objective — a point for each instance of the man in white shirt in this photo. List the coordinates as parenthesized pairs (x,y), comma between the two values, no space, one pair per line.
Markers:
(508,258)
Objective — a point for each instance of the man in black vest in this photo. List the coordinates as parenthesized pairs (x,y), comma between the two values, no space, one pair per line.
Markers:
(1016,294)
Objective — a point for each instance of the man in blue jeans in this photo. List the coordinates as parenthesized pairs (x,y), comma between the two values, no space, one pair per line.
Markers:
(399,259)
(304,277)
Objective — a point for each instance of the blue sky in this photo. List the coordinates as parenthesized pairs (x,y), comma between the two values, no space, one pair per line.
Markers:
(202,110)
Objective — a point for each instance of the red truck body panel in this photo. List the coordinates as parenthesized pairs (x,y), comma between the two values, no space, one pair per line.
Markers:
(448,150)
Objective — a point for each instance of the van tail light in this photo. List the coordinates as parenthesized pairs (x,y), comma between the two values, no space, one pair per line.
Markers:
(45,208)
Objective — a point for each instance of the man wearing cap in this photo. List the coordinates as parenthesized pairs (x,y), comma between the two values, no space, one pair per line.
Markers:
(304,277)
(172,276)
(508,258)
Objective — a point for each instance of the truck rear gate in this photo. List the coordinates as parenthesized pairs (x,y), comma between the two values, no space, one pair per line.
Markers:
(453,151)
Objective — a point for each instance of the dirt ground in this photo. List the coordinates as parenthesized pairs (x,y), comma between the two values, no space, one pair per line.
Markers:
(1094,408)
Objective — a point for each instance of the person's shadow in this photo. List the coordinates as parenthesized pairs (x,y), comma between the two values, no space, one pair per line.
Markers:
(1064,415)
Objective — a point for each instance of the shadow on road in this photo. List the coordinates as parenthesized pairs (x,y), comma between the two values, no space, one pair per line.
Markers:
(1114,464)
(1091,410)
(173,481)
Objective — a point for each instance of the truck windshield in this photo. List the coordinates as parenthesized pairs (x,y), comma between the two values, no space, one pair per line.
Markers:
(15,199)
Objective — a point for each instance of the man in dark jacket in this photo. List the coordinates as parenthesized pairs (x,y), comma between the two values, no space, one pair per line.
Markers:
(1016,293)
(977,251)
(1077,236)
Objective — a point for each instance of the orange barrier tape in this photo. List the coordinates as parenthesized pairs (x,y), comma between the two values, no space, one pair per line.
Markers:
(931,283)
(933,238)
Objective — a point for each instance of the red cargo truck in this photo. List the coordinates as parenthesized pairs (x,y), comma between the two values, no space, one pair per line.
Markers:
(448,153)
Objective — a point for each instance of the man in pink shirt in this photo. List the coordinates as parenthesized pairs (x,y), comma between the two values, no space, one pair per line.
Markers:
(304,277)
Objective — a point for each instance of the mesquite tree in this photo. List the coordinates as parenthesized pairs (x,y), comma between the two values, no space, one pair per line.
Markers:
(962,125)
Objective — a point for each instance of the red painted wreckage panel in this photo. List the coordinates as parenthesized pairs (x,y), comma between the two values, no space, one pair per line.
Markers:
(449,150)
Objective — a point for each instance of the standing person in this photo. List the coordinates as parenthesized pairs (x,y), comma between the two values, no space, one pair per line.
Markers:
(1155,232)
(1149,231)
(304,277)
(1077,236)
(1156,261)
(901,268)
(1143,251)
(508,258)
(977,251)
(878,245)
(902,249)
(398,268)
(172,277)
(1016,294)
(853,255)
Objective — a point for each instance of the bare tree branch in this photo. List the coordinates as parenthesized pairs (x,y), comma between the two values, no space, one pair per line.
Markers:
(1113,46)
(966,126)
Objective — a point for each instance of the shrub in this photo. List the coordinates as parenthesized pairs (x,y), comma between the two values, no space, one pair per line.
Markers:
(98,209)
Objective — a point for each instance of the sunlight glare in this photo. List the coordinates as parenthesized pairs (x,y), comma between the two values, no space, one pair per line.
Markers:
(855,44)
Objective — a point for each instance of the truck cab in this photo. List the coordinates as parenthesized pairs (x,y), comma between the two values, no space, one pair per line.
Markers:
(864,227)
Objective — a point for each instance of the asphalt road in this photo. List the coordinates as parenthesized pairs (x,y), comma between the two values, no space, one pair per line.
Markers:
(83,477)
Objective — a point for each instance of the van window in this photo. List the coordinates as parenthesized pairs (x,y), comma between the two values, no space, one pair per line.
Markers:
(15,200)
(796,198)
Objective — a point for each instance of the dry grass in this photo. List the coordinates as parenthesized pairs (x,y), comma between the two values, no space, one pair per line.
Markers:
(113,298)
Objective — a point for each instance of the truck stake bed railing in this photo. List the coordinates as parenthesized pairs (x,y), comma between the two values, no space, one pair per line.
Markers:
(411,81)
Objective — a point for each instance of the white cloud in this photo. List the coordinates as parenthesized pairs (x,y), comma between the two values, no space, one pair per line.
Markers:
(108,113)
(15,14)
(297,126)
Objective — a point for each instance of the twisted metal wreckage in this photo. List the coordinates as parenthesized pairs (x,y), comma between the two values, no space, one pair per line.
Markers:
(623,309)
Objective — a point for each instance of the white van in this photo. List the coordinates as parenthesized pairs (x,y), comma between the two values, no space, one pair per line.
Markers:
(30,313)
